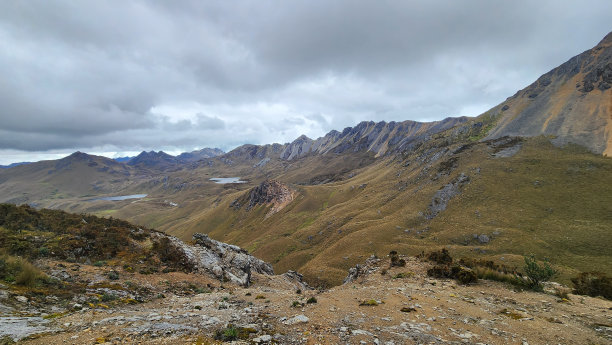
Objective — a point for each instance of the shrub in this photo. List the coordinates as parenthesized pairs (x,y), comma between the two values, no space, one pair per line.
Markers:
(441,257)
(28,274)
(439,271)
(230,333)
(311,300)
(395,260)
(536,274)
(296,304)
(593,284)
(20,271)
(490,274)
(108,297)
(113,275)
(462,274)
(99,263)
(403,275)
(465,276)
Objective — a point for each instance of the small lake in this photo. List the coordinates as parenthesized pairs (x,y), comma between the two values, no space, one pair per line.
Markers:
(120,197)
(224,180)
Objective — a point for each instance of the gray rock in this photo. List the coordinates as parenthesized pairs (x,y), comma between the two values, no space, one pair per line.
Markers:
(483,238)
(297,319)
(263,339)
(223,261)
(445,194)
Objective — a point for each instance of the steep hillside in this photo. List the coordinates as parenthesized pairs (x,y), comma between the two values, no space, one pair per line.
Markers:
(572,102)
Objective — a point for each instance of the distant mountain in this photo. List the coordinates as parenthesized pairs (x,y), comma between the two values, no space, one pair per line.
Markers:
(378,138)
(572,102)
(204,153)
(13,165)
(123,159)
(154,159)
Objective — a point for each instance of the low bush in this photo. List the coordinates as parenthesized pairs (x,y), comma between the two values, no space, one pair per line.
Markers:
(536,273)
(396,261)
(311,300)
(441,257)
(593,284)
(21,272)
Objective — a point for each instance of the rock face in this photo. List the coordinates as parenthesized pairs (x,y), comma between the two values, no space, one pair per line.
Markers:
(269,192)
(445,194)
(572,102)
(224,261)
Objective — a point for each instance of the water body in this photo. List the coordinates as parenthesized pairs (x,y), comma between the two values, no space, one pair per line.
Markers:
(120,197)
(224,180)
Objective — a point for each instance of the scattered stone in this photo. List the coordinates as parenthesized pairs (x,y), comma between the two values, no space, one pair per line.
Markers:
(297,319)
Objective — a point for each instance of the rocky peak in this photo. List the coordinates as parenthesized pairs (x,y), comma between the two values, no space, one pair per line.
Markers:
(269,192)
(572,103)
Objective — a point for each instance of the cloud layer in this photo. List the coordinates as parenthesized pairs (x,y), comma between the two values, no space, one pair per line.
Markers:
(124,76)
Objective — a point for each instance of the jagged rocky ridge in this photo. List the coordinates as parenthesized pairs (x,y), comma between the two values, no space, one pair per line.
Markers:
(379,138)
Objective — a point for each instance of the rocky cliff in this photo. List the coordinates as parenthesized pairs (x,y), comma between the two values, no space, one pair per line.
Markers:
(269,193)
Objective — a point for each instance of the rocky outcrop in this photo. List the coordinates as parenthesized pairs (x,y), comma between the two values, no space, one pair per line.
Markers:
(224,261)
(572,103)
(270,193)
(445,194)
(297,280)
(361,270)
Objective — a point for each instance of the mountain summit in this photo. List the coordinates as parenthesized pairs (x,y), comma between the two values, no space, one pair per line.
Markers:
(572,102)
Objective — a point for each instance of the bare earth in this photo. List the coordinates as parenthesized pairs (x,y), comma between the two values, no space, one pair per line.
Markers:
(437,312)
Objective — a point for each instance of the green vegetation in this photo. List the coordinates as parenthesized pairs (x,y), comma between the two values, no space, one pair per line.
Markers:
(21,272)
(311,300)
(369,303)
(32,234)
(445,268)
(231,333)
(402,275)
(593,284)
(536,274)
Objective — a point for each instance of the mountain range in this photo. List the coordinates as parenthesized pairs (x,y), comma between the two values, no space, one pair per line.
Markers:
(528,176)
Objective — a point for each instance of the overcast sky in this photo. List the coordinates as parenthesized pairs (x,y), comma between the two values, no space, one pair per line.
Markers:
(118,77)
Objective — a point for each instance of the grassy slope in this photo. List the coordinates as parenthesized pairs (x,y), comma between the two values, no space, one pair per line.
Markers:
(566,216)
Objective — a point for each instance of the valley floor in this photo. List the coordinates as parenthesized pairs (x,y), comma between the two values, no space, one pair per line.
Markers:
(435,312)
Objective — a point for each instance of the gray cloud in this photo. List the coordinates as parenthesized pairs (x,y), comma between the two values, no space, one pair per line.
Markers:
(132,75)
